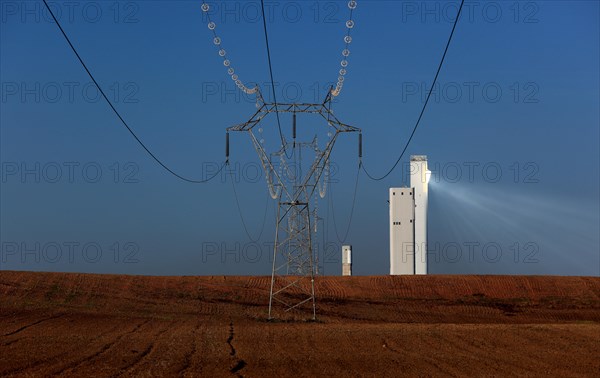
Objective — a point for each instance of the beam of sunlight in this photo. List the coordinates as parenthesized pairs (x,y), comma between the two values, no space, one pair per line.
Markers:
(563,228)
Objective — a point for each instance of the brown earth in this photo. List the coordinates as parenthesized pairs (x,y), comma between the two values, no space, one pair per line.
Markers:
(107,325)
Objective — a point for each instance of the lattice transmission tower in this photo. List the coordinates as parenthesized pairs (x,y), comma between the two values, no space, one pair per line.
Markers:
(293,269)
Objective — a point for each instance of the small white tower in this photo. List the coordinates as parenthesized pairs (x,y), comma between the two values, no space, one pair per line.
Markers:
(346,260)
(408,221)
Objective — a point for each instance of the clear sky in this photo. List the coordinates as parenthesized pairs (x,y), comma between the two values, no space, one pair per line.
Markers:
(511,132)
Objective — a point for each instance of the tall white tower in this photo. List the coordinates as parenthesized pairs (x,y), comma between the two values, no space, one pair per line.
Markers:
(419,182)
(408,221)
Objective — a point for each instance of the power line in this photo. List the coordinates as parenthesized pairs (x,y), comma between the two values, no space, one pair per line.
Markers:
(425,104)
(119,115)
(239,208)
(222,53)
(345,52)
(343,240)
(283,143)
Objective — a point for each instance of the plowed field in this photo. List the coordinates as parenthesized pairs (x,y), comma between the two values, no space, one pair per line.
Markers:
(105,325)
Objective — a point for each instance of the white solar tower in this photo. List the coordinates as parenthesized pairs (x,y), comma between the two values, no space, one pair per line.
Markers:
(419,182)
(408,221)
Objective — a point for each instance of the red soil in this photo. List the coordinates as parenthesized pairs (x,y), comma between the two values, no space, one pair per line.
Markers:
(107,325)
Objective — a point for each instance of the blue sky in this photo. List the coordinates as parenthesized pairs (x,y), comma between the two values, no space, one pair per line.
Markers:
(512,133)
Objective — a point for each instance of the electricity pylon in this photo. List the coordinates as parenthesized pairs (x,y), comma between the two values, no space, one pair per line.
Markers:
(293,270)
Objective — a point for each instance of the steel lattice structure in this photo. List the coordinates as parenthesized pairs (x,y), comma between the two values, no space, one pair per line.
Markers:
(293,270)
